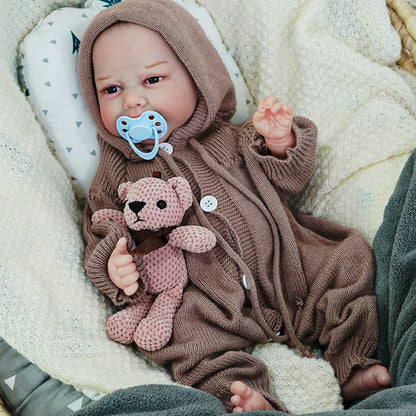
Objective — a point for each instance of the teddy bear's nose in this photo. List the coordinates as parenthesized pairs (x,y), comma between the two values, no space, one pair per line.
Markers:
(136,206)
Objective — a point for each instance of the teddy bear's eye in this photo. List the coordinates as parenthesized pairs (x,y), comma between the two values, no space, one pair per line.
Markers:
(161,204)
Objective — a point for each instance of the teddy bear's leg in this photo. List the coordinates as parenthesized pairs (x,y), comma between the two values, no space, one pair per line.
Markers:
(154,332)
(122,325)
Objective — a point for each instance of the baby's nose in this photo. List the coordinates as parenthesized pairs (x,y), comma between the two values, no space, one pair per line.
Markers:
(133,99)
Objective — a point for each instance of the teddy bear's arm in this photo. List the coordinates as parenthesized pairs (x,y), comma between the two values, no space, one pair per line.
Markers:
(192,238)
(108,214)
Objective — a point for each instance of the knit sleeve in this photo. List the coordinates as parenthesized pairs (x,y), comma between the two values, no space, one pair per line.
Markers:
(102,238)
(291,174)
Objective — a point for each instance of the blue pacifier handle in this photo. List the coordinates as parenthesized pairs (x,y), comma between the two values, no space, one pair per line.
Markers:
(150,125)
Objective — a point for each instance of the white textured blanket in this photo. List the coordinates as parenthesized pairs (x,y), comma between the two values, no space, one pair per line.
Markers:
(49,311)
(333,60)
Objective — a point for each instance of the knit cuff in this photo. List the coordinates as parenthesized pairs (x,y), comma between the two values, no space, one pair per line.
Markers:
(353,355)
(239,365)
(97,264)
(292,173)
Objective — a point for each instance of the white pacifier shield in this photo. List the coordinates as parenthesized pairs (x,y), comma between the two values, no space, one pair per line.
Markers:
(208,203)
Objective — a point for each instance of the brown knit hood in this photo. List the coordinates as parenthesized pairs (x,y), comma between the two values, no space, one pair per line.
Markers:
(187,39)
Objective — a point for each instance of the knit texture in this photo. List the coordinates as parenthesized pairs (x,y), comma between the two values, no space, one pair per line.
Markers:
(49,311)
(151,204)
(303,273)
(335,63)
(290,377)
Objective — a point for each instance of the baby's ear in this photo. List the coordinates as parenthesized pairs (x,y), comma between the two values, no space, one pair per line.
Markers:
(183,189)
(122,190)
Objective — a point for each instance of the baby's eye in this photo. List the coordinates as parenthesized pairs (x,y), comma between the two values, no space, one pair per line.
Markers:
(153,80)
(111,90)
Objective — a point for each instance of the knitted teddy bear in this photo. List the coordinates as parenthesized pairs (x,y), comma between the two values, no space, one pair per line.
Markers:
(153,212)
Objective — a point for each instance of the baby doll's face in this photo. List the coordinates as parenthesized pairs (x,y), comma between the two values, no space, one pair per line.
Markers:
(135,70)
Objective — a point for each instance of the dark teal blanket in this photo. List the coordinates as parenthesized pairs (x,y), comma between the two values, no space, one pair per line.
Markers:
(395,248)
(181,401)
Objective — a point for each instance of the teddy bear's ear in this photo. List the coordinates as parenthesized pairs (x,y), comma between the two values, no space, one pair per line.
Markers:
(183,189)
(122,190)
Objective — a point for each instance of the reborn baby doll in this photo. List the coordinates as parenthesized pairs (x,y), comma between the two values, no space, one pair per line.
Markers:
(273,274)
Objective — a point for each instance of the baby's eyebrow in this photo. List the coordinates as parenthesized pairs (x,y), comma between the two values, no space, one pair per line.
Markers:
(104,78)
(155,64)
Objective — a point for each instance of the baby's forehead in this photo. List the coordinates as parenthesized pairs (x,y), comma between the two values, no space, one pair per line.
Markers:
(121,28)
(133,39)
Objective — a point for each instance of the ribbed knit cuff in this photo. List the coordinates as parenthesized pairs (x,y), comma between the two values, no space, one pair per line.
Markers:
(97,264)
(241,366)
(292,173)
(353,355)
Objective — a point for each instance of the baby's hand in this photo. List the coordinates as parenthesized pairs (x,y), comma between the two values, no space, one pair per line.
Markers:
(122,270)
(273,121)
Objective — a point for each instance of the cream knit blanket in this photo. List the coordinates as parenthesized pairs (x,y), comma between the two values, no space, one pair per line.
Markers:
(333,60)
(49,310)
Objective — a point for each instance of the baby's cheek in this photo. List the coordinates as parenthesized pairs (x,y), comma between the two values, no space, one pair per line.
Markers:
(109,119)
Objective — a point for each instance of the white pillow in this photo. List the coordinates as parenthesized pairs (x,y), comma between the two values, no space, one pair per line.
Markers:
(48,73)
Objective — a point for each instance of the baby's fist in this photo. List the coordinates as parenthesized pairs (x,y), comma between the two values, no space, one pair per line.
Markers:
(121,268)
(273,120)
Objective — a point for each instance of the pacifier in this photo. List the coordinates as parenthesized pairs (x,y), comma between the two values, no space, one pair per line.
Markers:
(150,125)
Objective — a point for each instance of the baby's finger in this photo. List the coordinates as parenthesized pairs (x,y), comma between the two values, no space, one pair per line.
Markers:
(271,101)
(128,280)
(258,116)
(288,109)
(132,289)
(121,246)
(262,104)
(121,260)
(276,107)
(126,270)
